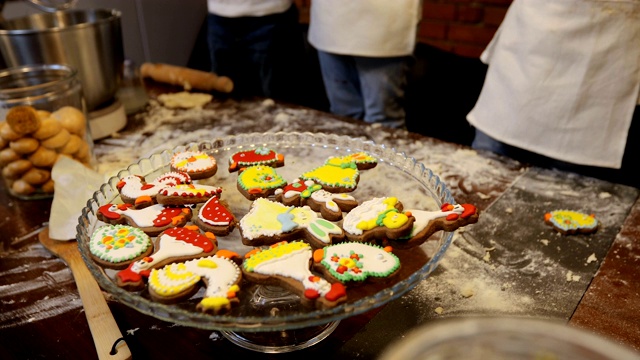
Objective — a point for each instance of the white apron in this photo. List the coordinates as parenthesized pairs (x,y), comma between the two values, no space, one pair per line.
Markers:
(373,28)
(563,79)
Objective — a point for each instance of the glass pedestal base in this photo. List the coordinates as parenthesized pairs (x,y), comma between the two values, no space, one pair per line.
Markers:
(281,341)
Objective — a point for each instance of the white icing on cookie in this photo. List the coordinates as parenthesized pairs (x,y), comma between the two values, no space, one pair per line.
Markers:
(423,218)
(289,260)
(364,216)
(192,161)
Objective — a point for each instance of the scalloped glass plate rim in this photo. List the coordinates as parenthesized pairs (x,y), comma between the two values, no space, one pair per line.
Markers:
(255,323)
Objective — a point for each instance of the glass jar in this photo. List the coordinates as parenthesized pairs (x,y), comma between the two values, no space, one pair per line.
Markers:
(42,116)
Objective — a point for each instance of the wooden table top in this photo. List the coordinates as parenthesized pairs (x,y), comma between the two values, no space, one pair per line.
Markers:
(508,264)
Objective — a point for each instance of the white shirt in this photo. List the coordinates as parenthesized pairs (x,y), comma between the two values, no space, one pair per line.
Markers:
(563,79)
(239,8)
(373,28)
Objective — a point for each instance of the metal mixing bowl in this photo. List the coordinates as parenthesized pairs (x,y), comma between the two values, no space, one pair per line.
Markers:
(88,40)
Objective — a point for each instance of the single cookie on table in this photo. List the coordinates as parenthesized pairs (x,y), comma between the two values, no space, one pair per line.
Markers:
(214,216)
(287,264)
(197,164)
(118,246)
(260,156)
(152,219)
(354,263)
(307,192)
(377,219)
(172,245)
(259,181)
(269,222)
(176,282)
(135,190)
(568,222)
(341,174)
(187,194)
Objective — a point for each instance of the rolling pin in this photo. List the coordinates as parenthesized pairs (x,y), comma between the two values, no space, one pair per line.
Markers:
(186,77)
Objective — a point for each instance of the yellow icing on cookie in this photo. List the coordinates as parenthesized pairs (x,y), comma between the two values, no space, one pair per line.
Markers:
(262,177)
(273,253)
(206,263)
(215,303)
(172,279)
(390,217)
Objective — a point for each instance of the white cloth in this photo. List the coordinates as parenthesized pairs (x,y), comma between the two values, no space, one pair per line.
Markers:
(74,185)
(372,28)
(563,79)
(239,8)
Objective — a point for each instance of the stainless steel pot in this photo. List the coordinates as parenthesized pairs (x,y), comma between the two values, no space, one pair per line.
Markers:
(88,40)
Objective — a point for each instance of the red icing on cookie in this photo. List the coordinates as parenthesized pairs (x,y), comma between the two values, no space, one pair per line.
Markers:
(104,210)
(192,237)
(216,212)
(311,294)
(128,275)
(166,216)
(468,210)
(337,291)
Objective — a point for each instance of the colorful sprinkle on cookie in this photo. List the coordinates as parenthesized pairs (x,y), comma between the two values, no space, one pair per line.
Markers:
(116,246)
(352,262)
(570,222)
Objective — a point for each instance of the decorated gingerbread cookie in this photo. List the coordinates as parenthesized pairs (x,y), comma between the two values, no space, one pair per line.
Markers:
(449,218)
(287,264)
(187,194)
(197,164)
(307,192)
(135,190)
(152,219)
(172,245)
(259,181)
(378,219)
(269,222)
(353,263)
(259,156)
(569,222)
(341,174)
(179,281)
(117,246)
(215,217)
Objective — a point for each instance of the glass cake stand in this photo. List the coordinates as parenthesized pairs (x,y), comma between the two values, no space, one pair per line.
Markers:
(268,318)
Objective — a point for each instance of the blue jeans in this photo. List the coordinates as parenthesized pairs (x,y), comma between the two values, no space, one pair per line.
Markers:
(258,53)
(366,88)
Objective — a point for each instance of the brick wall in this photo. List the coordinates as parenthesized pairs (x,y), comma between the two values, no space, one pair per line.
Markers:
(462,27)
